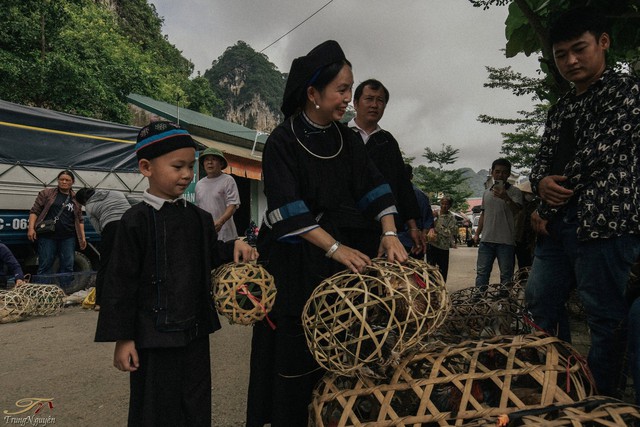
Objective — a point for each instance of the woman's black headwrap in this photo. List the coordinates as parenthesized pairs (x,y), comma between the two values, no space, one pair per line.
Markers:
(305,69)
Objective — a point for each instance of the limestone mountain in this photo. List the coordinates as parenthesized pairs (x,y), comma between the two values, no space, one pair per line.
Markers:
(475,180)
(250,87)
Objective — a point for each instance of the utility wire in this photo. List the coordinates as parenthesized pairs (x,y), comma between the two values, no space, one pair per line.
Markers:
(291,30)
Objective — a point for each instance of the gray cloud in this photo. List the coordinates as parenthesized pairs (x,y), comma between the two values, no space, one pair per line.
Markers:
(430,54)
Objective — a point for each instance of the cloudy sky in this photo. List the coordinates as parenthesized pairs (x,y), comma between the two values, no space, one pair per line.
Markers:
(431,55)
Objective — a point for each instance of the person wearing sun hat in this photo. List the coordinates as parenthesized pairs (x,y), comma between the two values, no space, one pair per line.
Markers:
(321,190)
(217,193)
(156,302)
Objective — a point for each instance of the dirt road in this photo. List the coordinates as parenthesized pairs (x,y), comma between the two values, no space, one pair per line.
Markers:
(55,358)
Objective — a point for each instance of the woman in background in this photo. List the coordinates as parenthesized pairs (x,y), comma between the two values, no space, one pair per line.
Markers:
(442,237)
(58,203)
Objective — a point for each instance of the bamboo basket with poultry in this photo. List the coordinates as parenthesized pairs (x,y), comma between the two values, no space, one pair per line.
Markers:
(244,293)
(361,323)
(475,314)
(590,412)
(46,300)
(452,385)
(14,306)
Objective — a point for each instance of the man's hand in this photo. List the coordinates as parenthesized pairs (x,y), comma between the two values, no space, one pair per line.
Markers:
(538,224)
(125,356)
(419,241)
(499,192)
(552,192)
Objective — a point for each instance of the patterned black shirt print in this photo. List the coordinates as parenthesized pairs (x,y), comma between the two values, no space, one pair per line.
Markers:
(604,173)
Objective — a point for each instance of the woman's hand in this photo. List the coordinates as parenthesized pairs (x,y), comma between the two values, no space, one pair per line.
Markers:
(389,242)
(351,258)
(393,248)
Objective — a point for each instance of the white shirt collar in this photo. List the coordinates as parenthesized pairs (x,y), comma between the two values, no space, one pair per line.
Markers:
(157,202)
(365,136)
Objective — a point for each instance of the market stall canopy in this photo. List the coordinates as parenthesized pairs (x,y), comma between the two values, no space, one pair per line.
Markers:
(33,136)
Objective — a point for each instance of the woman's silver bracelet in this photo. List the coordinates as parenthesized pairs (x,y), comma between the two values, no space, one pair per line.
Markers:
(332,250)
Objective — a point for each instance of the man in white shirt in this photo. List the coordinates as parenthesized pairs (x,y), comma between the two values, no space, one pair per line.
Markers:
(217,193)
(370,100)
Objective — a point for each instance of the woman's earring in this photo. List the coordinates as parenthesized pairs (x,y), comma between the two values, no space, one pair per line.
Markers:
(317,106)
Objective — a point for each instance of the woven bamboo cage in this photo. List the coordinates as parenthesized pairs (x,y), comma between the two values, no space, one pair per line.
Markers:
(423,286)
(521,275)
(476,315)
(362,323)
(519,283)
(244,293)
(575,308)
(47,300)
(14,306)
(593,411)
(452,385)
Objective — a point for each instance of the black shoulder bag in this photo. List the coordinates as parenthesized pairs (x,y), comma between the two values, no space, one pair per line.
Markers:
(48,226)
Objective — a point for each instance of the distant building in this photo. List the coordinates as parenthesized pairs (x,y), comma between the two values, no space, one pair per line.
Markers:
(242,148)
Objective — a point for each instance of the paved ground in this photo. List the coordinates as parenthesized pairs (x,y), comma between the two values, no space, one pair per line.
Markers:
(56,358)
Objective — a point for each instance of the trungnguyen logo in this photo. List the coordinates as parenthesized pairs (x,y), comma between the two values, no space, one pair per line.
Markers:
(32,411)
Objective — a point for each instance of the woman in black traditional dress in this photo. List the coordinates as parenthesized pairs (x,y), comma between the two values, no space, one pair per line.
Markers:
(320,187)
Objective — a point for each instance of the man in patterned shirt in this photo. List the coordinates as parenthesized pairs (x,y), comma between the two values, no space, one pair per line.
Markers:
(586,174)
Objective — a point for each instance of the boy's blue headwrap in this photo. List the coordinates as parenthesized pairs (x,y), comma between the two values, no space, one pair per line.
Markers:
(158,138)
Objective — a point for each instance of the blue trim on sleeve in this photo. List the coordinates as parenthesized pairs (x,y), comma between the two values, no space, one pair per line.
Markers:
(287,211)
(372,195)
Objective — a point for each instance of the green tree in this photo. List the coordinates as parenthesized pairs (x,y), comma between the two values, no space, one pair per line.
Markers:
(201,97)
(80,57)
(527,26)
(521,146)
(526,29)
(437,182)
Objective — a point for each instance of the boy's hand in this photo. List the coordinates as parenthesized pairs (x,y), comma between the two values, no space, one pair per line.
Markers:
(125,356)
(242,251)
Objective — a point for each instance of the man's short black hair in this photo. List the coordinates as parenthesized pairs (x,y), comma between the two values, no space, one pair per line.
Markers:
(575,22)
(501,162)
(84,194)
(373,84)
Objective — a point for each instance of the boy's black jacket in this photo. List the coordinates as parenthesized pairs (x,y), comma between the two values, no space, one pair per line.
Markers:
(143,299)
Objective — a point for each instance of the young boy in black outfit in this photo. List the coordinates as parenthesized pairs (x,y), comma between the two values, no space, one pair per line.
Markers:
(156,304)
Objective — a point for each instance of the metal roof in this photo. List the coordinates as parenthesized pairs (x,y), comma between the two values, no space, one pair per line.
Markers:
(203,125)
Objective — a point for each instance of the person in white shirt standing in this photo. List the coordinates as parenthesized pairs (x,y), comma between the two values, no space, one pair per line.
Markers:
(217,193)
